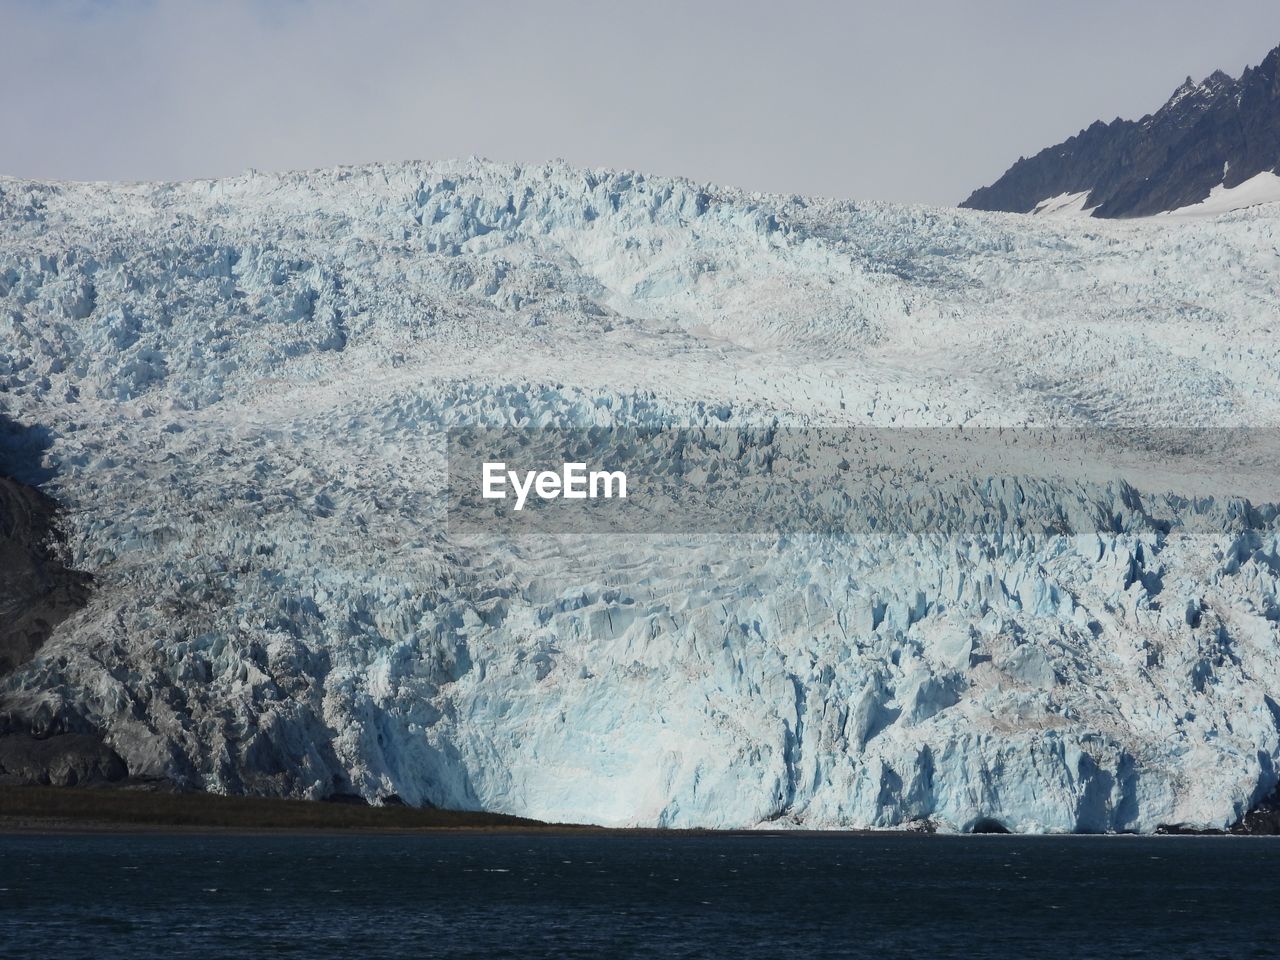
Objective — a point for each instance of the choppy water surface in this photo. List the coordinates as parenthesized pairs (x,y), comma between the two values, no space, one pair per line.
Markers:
(492,896)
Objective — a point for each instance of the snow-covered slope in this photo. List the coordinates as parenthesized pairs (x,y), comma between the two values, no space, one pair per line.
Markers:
(245,385)
(1260,189)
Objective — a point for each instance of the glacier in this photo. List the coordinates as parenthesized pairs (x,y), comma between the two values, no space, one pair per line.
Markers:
(243,386)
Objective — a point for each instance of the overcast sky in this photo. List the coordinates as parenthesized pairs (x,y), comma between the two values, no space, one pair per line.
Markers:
(913,100)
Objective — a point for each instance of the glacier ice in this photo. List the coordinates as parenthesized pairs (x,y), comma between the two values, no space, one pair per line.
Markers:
(246,384)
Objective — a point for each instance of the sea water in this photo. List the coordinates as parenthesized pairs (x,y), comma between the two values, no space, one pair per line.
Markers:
(550,895)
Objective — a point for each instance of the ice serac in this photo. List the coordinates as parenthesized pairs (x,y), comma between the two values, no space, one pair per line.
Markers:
(1211,138)
(245,385)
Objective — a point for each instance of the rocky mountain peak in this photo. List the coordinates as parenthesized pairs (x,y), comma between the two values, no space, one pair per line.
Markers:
(1220,132)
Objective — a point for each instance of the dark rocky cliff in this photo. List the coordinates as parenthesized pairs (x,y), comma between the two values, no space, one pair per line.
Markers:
(1219,131)
(37,592)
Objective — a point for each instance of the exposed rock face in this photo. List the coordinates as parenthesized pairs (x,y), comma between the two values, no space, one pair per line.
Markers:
(1263,819)
(63,760)
(1220,132)
(36,591)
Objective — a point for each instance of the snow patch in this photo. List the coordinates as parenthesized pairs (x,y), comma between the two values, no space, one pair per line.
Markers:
(1259,189)
(1065,205)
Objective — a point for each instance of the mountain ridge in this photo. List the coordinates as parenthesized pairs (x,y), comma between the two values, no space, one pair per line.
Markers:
(1219,133)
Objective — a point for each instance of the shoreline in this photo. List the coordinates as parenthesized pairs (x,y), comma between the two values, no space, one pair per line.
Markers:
(104,809)
(72,811)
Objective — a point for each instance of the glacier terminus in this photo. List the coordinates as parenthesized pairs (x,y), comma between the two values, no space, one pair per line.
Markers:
(237,391)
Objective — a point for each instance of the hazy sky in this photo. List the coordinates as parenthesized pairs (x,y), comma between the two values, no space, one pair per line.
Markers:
(914,100)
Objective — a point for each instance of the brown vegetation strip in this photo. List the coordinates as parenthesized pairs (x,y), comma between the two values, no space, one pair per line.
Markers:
(35,808)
